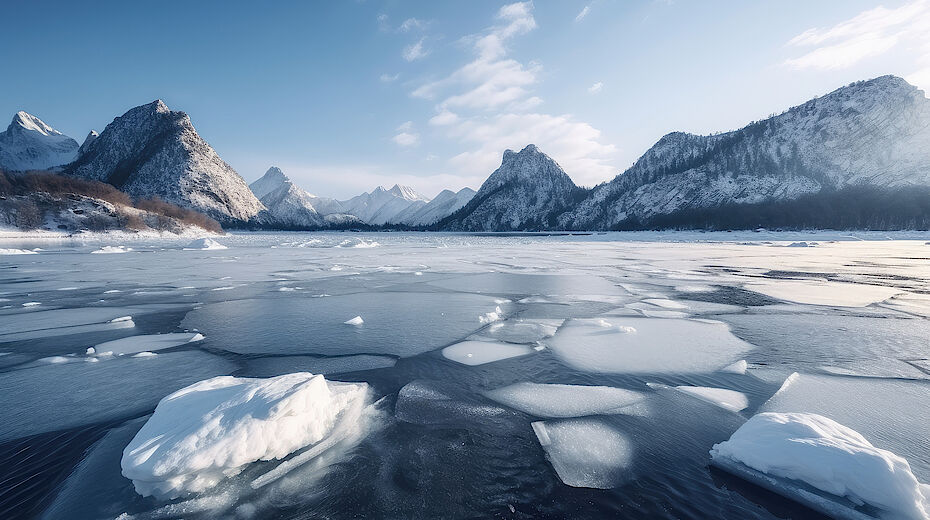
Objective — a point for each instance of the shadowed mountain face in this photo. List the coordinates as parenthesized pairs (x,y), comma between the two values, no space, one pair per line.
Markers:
(527,191)
(152,151)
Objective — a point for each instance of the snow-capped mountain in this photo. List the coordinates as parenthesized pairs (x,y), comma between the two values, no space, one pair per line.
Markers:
(382,206)
(527,191)
(871,133)
(91,137)
(291,207)
(153,151)
(30,144)
(443,205)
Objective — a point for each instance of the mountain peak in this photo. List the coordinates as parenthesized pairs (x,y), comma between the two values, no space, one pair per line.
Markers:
(30,144)
(406,193)
(273,179)
(28,121)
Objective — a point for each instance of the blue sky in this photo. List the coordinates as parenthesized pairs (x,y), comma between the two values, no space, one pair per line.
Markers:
(347,95)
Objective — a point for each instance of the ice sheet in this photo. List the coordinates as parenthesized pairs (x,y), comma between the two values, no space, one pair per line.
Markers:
(474,352)
(149,342)
(555,400)
(821,292)
(585,452)
(726,399)
(656,346)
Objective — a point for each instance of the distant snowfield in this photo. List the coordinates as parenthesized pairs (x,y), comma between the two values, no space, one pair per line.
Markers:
(499,368)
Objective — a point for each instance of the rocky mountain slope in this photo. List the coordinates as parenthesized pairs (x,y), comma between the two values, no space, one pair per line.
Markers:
(872,133)
(382,206)
(528,191)
(30,144)
(152,151)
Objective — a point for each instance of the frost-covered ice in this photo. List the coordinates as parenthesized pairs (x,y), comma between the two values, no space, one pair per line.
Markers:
(828,456)
(727,399)
(204,244)
(210,430)
(14,251)
(821,292)
(554,400)
(150,342)
(112,249)
(585,452)
(490,317)
(738,367)
(474,352)
(657,346)
(355,321)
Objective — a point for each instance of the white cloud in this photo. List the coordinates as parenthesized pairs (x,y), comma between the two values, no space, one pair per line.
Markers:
(388,78)
(405,127)
(406,139)
(383,23)
(870,33)
(486,106)
(415,51)
(411,24)
(444,118)
(584,12)
(595,88)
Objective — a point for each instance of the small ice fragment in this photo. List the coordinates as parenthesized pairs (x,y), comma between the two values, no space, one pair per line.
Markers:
(418,273)
(726,399)
(204,243)
(736,368)
(90,351)
(491,317)
(585,452)
(112,249)
(121,319)
(16,252)
(145,354)
(31,304)
(111,291)
(826,455)
(355,321)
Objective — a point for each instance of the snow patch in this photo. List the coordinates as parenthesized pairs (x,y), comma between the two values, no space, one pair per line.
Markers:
(112,250)
(204,244)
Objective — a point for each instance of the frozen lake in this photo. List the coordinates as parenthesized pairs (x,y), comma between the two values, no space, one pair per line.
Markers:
(515,376)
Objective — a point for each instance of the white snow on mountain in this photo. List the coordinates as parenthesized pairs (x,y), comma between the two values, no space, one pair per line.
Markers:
(870,133)
(382,206)
(445,204)
(291,206)
(30,144)
(91,137)
(153,151)
(272,180)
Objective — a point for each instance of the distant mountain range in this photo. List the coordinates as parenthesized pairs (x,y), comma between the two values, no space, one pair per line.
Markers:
(856,157)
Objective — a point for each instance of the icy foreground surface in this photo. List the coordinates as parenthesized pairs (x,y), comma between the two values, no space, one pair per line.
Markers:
(208,431)
(647,345)
(830,457)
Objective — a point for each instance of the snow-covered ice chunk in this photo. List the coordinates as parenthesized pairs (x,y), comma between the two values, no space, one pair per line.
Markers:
(490,317)
(802,244)
(727,399)
(891,413)
(112,249)
(210,430)
(473,352)
(828,456)
(739,367)
(657,346)
(355,321)
(821,292)
(553,400)
(150,342)
(204,244)
(585,452)
(358,243)
(32,304)
(13,251)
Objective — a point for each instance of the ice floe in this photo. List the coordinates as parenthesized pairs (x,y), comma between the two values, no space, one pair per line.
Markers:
(656,346)
(112,249)
(739,367)
(58,322)
(555,400)
(727,399)
(585,452)
(150,342)
(828,456)
(204,244)
(13,251)
(355,321)
(821,292)
(210,430)
(474,352)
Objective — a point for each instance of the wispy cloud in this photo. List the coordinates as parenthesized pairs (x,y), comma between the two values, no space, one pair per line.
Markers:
(584,12)
(871,33)
(415,51)
(595,88)
(412,24)
(388,78)
(406,136)
(487,105)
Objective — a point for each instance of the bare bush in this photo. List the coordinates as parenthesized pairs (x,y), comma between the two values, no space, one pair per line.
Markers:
(28,215)
(183,215)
